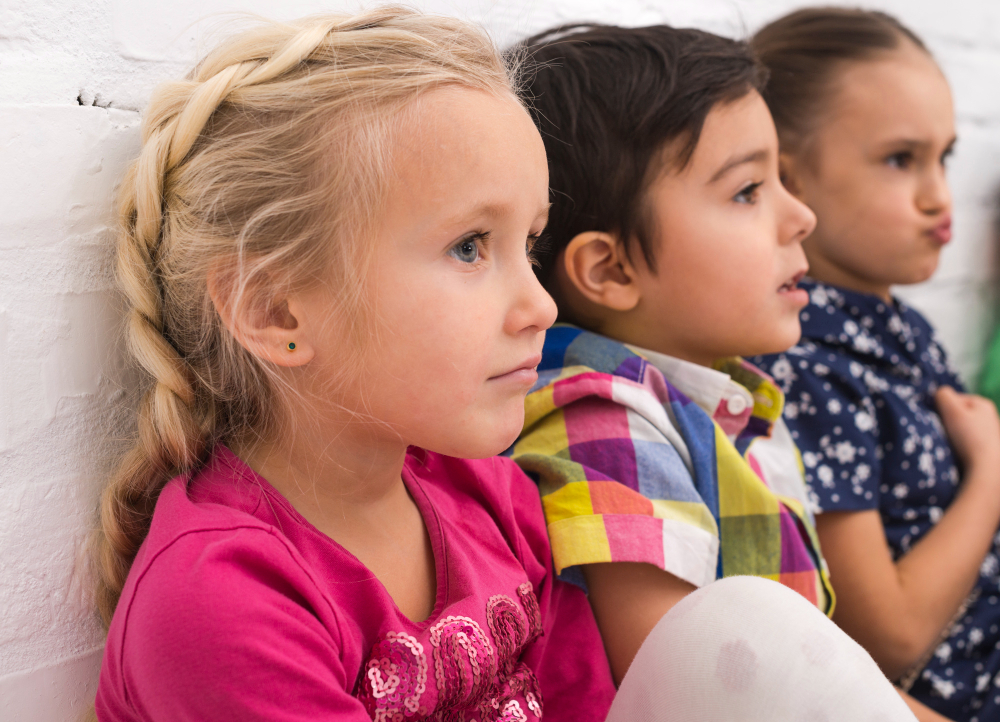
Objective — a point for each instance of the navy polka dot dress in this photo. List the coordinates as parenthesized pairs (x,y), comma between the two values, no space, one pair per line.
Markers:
(859,400)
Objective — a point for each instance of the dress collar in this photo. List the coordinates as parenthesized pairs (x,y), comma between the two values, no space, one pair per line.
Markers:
(882,333)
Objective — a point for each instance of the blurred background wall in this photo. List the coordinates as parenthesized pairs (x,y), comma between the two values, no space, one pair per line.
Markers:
(74,77)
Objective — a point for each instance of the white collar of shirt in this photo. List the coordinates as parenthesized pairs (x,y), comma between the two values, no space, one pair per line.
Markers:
(705,386)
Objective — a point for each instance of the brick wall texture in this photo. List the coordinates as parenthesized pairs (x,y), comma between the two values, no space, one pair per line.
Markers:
(74,77)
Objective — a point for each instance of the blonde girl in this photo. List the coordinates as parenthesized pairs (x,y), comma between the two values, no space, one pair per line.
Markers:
(904,466)
(323,247)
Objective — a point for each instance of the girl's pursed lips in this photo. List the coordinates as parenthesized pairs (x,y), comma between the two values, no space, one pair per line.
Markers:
(942,231)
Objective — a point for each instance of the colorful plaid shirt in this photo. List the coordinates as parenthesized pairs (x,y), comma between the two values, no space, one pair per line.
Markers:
(644,458)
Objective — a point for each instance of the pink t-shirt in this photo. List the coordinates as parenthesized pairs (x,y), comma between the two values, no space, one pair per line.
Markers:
(237,608)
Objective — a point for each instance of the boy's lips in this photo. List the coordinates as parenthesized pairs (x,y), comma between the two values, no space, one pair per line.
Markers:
(793,283)
(942,231)
(791,291)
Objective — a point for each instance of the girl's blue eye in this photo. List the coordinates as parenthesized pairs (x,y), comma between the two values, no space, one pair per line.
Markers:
(748,195)
(467,249)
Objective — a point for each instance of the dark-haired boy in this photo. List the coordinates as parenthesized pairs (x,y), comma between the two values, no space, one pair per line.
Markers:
(674,250)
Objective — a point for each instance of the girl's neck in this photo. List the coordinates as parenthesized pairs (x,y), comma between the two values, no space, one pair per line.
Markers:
(324,471)
(347,482)
(825,271)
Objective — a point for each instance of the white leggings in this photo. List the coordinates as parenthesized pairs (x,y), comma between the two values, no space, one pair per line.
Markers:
(745,649)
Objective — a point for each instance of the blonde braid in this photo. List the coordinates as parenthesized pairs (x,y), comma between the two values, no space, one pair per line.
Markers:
(269,160)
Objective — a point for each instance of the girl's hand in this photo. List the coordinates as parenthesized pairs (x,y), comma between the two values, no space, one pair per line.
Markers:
(973,427)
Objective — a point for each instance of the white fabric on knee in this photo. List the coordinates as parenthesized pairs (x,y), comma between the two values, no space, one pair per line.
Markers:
(746,649)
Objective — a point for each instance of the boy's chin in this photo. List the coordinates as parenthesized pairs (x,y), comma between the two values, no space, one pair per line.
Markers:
(779,342)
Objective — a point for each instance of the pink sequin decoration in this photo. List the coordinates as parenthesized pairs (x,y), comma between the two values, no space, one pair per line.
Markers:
(395,679)
(464,662)
(530,602)
(475,681)
(512,712)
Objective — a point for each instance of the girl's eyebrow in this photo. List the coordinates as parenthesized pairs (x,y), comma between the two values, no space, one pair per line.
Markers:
(915,144)
(752,157)
(484,210)
(493,210)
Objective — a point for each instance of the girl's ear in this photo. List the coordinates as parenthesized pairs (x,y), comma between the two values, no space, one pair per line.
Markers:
(268,326)
(596,265)
(788,171)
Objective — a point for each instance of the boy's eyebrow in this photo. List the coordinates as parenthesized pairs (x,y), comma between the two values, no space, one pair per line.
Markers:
(753,157)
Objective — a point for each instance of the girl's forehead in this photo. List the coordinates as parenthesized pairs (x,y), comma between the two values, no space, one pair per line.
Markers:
(900,88)
(896,74)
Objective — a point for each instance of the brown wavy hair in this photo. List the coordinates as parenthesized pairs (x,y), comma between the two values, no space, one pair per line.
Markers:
(804,51)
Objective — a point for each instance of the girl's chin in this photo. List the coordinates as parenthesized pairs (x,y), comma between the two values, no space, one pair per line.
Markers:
(501,435)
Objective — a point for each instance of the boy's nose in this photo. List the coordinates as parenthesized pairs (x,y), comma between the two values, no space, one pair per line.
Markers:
(800,220)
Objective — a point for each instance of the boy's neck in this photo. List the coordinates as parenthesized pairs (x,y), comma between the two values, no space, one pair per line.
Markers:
(667,347)
(691,357)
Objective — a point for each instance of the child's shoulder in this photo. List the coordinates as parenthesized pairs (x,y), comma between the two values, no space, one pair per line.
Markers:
(223,499)
(210,541)
(213,583)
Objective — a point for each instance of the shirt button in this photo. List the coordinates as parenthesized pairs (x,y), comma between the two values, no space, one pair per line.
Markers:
(736,405)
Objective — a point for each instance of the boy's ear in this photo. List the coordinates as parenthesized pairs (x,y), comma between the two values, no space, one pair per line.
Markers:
(788,171)
(266,325)
(596,265)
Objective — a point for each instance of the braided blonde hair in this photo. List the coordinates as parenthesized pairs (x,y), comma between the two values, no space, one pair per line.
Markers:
(270,161)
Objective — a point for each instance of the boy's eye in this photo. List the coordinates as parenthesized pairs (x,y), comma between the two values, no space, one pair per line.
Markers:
(467,249)
(900,160)
(748,194)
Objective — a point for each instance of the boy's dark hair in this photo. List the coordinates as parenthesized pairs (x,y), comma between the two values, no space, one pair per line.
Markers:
(607,101)
(803,52)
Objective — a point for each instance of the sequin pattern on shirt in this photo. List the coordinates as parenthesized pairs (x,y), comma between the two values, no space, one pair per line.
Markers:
(469,670)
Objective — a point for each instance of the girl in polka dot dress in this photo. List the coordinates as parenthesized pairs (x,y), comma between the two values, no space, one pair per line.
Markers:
(903,467)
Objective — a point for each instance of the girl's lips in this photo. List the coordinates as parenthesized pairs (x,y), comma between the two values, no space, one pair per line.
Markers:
(525,373)
(526,377)
(942,231)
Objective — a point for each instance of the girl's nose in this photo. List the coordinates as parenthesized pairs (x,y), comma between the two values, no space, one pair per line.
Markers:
(933,194)
(534,307)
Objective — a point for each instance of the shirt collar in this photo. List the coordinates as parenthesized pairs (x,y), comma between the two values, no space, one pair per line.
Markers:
(730,404)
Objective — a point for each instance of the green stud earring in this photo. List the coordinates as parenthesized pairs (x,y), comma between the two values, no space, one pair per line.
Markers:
(291,345)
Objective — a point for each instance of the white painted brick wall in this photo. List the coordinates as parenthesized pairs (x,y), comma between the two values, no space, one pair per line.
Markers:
(74,76)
